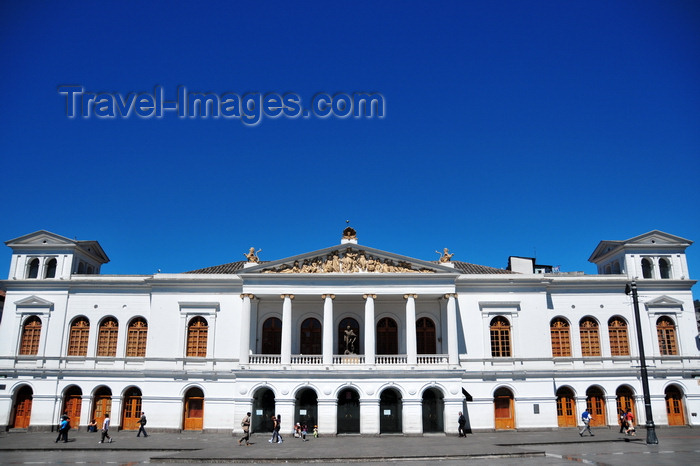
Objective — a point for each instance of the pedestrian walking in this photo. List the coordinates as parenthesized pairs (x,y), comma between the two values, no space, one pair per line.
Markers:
(462,421)
(629,420)
(142,425)
(586,418)
(63,428)
(623,421)
(275,435)
(105,430)
(245,423)
(278,425)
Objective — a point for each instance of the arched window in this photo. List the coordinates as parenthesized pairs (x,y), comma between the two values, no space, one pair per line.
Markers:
(33,270)
(31,332)
(646,268)
(666,331)
(347,345)
(107,337)
(81,268)
(136,338)
(197,332)
(590,339)
(425,334)
(664,268)
(50,269)
(500,338)
(616,267)
(619,342)
(310,338)
(78,339)
(561,338)
(387,336)
(608,270)
(272,336)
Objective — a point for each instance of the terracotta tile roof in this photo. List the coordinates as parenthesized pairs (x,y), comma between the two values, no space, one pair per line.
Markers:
(462,267)
(231,267)
(473,269)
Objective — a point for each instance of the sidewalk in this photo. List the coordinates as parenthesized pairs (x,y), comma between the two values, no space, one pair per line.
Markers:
(192,447)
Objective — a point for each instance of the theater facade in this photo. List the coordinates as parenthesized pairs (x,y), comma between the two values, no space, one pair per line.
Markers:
(349,338)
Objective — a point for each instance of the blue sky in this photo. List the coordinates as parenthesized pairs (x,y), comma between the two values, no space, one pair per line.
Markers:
(511,128)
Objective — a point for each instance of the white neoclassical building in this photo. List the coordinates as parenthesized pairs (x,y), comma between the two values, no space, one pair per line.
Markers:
(348,338)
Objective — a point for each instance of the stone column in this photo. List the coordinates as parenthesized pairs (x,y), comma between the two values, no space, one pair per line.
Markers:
(411,351)
(369,328)
(287,329)
(244,355)
(369,416)
(328,328)
(452,347)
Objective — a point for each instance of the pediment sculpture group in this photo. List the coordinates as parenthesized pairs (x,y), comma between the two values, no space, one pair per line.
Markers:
(348,262)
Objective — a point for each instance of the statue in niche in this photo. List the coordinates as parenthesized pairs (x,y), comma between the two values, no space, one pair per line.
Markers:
(252,255)
(350,338)
(362,261)
(445,255)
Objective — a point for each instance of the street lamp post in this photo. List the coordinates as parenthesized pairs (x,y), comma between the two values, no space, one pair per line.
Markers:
(651,429)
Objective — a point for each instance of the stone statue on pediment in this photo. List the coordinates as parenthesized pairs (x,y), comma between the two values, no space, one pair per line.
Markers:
(445,255)
(252,255)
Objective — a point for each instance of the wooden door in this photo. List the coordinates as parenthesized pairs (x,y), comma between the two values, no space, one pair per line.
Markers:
(596,407)
(425,335)
(387,336)
(674,407)
(102,405)
(566,410)
(71,407)
(23,408)
(131,411)
(503,409)
(194,413)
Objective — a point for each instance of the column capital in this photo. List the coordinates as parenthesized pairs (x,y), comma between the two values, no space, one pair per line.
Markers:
(450,295)
(324,296)
(369,295)
(287,295)
(410,295)
(247,295)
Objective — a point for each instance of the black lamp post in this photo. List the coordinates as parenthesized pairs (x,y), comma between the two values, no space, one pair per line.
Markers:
(651,429)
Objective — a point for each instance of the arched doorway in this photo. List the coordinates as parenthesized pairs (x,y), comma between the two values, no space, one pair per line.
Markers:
(23,407)
(348,412)
(674,406)
(131,409)
(387,336)
(433,411)
(425,336)
(504,409)
(306,409)
(263,410)
(72,403)
(390,412)
(595,402)
(566,408)
(193,418)
(625,401)
(101,404)
(272,336)
(310,339)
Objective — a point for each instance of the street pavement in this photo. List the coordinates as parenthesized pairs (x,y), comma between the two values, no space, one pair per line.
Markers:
(560,446)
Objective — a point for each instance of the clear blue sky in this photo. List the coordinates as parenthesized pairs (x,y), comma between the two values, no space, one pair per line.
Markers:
(511,128)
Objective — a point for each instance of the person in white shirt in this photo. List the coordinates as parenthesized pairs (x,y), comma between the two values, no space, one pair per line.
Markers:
(105,430)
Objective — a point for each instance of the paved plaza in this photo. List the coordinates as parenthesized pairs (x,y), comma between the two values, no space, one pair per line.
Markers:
(561,446)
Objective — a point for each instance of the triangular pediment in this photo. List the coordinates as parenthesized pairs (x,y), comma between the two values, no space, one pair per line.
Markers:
(40,238)
(652,239)
(664,301)
(33,301)
(348,258)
